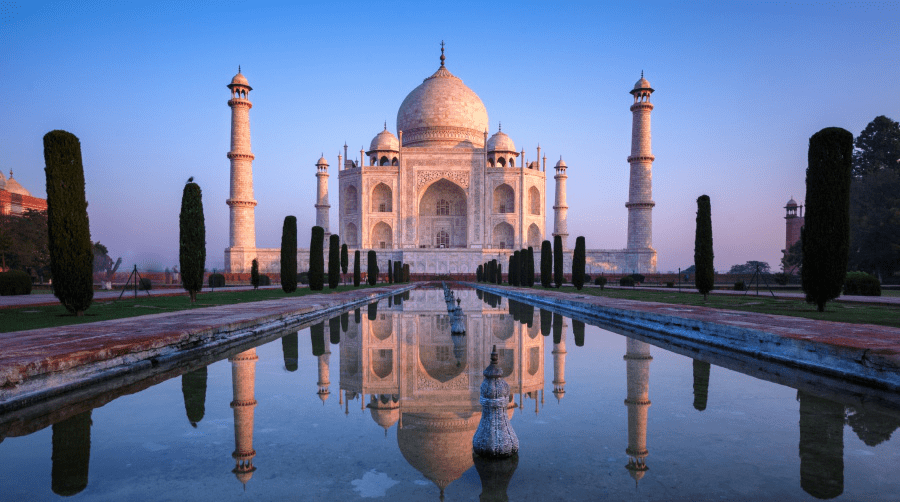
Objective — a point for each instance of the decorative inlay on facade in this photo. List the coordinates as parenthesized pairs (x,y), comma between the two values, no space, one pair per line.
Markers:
(461,178)
(425,382)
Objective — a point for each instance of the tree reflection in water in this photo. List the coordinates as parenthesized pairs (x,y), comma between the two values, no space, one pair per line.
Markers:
(71,455)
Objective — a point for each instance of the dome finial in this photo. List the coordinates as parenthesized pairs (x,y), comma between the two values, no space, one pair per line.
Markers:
(642,73)
(239,68)
(385,125)
(499,126)
(442,54)
(10,173)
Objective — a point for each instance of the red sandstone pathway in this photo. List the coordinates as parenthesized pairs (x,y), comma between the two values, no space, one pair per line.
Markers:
(43,299)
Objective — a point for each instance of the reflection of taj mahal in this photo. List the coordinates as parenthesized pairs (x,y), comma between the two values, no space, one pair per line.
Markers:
(441,195)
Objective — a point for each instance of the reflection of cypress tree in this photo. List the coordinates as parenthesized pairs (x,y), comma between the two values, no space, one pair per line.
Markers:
(578,332)
(701,384)
(357,316)
(821,446)
(557,327)
(495,476)
(345,321)
(546,322)
(398,299)
(334,330)
(528,313)
(71,455)
(317,335)
(872,427)
(514,310)
(479,294)
(373,311)
(193,387)
(290,350)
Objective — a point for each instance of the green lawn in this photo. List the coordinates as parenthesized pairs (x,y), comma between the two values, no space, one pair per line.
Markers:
(30,317)
(856,313)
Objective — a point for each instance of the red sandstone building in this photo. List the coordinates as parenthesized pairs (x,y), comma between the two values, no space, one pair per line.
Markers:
(793,223)
(15,199)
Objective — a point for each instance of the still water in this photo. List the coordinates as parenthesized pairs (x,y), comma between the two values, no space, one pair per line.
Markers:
(382,402)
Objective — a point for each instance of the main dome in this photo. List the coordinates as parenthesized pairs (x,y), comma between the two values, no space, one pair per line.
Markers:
(442,112)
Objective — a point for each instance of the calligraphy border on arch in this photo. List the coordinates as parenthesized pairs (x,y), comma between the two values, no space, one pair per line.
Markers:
(459,177)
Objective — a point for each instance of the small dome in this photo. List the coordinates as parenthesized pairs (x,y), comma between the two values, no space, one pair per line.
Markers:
(385,140)
(13,186)
(561,163)
(240,79)
(500,142)
(385,417)
(642,84)
(792,203)
(322,161)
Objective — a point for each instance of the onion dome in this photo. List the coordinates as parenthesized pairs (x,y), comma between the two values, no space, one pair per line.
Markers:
(442,111)
(439,445)
(385,140)
(641,85)
(500,142)
(792,203)
(322,161)
(240,79)
(561,163)
(385,410)
(13,186)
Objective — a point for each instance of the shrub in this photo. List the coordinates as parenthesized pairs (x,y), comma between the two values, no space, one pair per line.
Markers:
(861,283)
(15,282)
(145,284)
(68,230)
(781,278)
(626,281)
(740,286)
(638,278)
(216,281)
(317,259)
(587,278)
(670,284)
(265,280)
(303,278)
(289,254)
(600,281)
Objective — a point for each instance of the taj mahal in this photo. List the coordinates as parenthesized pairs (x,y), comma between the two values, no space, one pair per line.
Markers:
(442,195)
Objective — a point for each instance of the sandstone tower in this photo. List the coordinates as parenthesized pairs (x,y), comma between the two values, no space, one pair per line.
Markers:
(637,361)
(793,223)
(243,378)
(560,209)
(322,206)
(641,257)
(242,242)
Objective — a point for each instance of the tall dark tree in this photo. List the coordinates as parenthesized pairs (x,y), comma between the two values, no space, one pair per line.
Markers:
(372,313)
(345,322)
(499,274)
(334,261)
(529,263)
(557,328)
(546,264)
(317,259)
(345,259)
(71,454)
(877,147)
(479,273)
(193,388)
(523,267)
(557,261)
(398,271)
(290,351)
(405,271)
(69,242)
(254,273)
(578,259)
(357,274)
(826,230)
(704,274)
(701,384)
(289,255)
(372,262)
(513,274)
(192,247)
(390,271)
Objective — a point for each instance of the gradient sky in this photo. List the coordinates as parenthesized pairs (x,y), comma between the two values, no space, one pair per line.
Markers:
(740,88)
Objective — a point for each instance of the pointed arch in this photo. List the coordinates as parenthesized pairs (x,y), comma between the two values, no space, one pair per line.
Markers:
(351,235)
(534,236)
(504,199)
(350,200)
(382,198)
(382,237)
(534,200)
(504,237)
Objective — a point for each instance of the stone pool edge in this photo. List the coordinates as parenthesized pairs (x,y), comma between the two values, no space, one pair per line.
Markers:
(33,381)
(877,367)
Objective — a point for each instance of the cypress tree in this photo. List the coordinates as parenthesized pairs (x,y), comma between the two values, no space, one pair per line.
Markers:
(356,272)
(557,261)
(703,248)
(406,276)
(289,256)
(344,259)
(345,322)
(499,274)
(390,272)
(334,261)
(513,268)
(373,267)
(529,263)
(523,268)
(479,273)
(398,272)
(69,233)
(825,235)
(193,388)
(372,313)
(546,264)
(254,274)
(192,239)
(557,327)
(578,259)
(317,259)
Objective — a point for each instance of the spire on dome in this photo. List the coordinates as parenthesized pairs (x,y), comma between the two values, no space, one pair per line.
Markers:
(499,126)
(442,54)
(239,68)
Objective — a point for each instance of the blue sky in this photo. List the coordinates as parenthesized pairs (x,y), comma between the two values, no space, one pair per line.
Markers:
(740,88)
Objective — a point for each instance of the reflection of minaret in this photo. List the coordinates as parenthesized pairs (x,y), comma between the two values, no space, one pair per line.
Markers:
(637,361)
(71,455)
(243,378)
(559,362)
(323,382)
(821,446)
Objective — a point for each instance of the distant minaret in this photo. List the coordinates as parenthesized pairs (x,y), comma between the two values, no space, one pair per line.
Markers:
(323,382)
(559,365)
(242,230)
(322,205)
(640,192)
(637,361)
(560,209)
(243,377)
(793,223)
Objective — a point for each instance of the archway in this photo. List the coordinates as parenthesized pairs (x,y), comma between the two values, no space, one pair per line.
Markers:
(443,208)
(534,236)
(381,199)
(351,199)
(382,237)
(351,235)
(504,199)
(534,200)
(503,236)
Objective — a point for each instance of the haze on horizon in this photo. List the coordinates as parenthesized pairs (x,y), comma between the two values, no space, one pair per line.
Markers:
(740,88)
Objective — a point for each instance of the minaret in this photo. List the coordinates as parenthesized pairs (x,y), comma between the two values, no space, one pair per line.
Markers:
(242,230)
(322,205)
(559,365)
(637,361)
(323,382)
(560,209)
(640,193)
(243,377)
(793,223)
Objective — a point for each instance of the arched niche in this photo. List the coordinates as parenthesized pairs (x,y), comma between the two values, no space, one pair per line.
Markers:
(351,235)
(382,362)
(382,237)
(504,236)
(534,200)
(504,199)
(351,199)
(534,236)
(382,197)
(443,208)
(503,326)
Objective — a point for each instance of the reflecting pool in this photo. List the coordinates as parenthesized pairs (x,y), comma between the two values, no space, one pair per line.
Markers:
(383,402)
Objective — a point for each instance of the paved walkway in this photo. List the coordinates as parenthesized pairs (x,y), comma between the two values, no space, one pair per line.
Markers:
(875,300)
(42,299)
